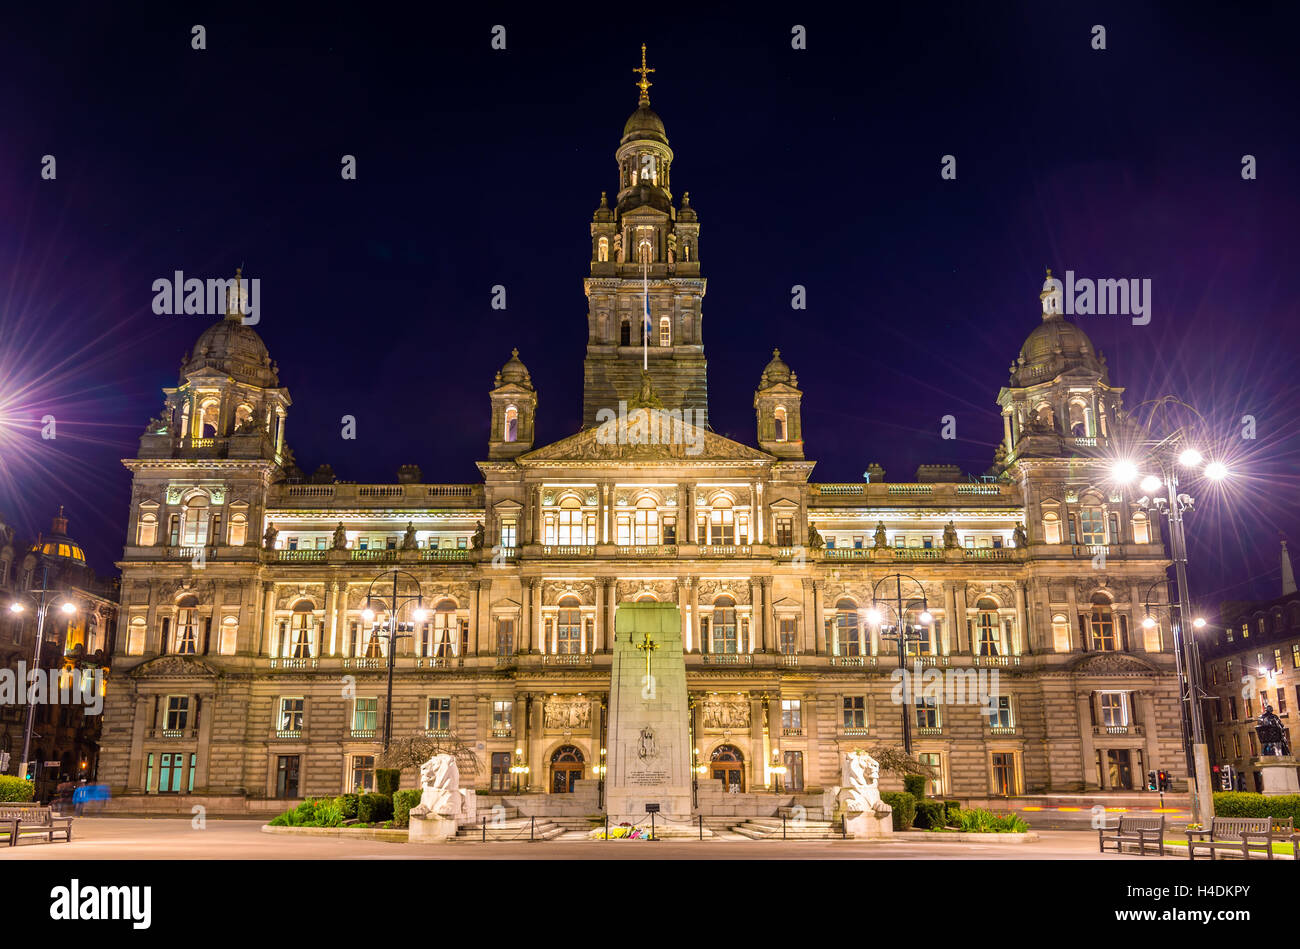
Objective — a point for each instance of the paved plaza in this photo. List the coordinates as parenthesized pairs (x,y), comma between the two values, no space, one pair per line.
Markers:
(166,839)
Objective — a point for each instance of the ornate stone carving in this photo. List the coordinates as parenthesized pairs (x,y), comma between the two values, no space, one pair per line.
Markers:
(861,777)
(665,591)
(1110,663)
(737,589)
(440,789)
(187,667)
(724,711)
(554,590)
(568,712)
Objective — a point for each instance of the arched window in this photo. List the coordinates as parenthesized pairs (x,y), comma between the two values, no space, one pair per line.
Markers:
(778,419)
(570,522)
(602,249)
(194,523)
(301,629)
(848,634)
(568,626)
(243,414)
(209,418)
(135,637)
(238,530)
(1078,418)
(1102,622)
(229,636)
(566,769)
(665,331)
(724,625)
(727,765)
(1045,417)
(147,530)
(625,333)
(512,424)
(1051,528)
(185,418)
(1141,529)
(988,628)
(646,522)
(187,621)
(444,629)
(722,522)
(1060,632)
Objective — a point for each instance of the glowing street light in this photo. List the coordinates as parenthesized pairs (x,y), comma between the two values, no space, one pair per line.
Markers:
(1216,471)
(1124,472)
(1190,458)
(1151,484)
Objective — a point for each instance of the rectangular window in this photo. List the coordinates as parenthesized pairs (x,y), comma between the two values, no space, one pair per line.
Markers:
(791,713)
(970,541)
(1004,773)
(785,531)
(1074,531)
(857,543)
(855,711)
(293,543)
(508,529)
(900,541)
(1114,710)
(927,712)
(830,543)
(1232,708)
(1295,655)
(1001,717)
(1092,527)
(439,715)
(178,712)
(286,775)
(793,761)
(1236,745)
(505,636)
(927,542)
(365,713)
(933,759)
(1281,701)
(1277,659)
(363,774)
(997,541)
(670,532)
(789,636)
(1113,521)
(503,714)
(291,714)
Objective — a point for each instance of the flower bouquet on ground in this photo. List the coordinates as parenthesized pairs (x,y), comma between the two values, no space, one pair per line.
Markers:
(623,831)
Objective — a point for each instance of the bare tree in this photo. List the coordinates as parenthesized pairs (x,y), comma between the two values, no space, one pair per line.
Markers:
(900,762)
(414,750)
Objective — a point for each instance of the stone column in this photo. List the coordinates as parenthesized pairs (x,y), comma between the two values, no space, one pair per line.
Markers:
(525,615)
(949,644)
(536,747)
(330,619)
(1021,645)
(758,535)
(136,762)
(538,628)
(819,619)
(1087,749)
(604,512)
(475,617)
(207,704)
(1072,616)
(755,615)
(1137,612)
(596,644)
(696,634)
(961,632)
(758,762)
(270,642)
(345,630)
(683,600)
(770,633)
(611,605)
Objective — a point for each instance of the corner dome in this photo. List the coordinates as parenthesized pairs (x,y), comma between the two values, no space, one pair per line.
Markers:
(1054,346)
(58,544)
(777,372)
(514,372)
(234,349)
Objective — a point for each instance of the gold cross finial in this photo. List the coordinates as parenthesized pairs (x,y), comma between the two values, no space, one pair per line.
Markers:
(648,646)
(644,84)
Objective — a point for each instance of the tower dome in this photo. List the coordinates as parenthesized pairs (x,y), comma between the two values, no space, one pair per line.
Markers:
(1054,346)
(58,544)
(514,371)
(777,371)
(233,348)
(644,124)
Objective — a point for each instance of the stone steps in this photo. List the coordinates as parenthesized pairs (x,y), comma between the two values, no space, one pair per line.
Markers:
(519,828)
(769,828)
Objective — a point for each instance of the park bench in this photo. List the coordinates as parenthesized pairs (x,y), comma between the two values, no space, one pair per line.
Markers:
(26,820)
(1236,834)
(1131,829)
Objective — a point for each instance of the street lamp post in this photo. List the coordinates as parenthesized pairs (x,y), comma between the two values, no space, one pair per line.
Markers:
(393,633)
(902,634)
(67,607)
(1170,453)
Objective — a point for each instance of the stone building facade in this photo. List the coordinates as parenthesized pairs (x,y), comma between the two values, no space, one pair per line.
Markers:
(252,670)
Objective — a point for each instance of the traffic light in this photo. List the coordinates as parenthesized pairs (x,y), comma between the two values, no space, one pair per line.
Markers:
(1151,781)
(1164,780)
(31,771)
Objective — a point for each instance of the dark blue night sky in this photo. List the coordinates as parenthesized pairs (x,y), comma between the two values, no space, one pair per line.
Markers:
(817,167)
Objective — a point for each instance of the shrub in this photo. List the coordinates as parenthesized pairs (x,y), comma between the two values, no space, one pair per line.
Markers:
(16,790)
(904,806)
(403,801)
(950,811)
(1249,804)
(914,784)
(374,808)
(387,780)
(979,821)
(313,812)
(348,802)
(930,815)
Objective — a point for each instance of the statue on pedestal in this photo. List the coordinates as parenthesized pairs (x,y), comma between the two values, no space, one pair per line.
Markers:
(340,541)
(480,535)
(408,539)
(1019,537)
(268,539)
(949,535)
(440,789)
(879,538)
(1272,735)
(815,541)
(862,772)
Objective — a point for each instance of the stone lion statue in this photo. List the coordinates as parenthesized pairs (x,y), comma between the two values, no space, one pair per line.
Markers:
(862,790)
(440,789)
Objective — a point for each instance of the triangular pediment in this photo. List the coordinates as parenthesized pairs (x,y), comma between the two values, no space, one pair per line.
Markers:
(646,435)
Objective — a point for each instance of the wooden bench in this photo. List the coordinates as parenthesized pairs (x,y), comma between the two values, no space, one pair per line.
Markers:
(1236,834)
(1131,829)
(33,821)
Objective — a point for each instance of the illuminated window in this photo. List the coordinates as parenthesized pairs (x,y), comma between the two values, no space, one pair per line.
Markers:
(238,530)
(1114,708)
(602,249)
(439,717)
(1103,624)
(512,424)
(778,419)
(646,522)
(569,627)
(178,712)
(988,628)
(1141,529)
(291,714)
(147,531)
(1051,528)
(444,629)
(209,414)
(301,628)
(724,625)
(722,523)
(847,632)
(665,331)
(508,528)
(570,521)
(1092,527)
(187,625)
(194,524)
(855,711)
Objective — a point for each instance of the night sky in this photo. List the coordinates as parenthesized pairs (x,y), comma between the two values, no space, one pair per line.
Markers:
(817,167)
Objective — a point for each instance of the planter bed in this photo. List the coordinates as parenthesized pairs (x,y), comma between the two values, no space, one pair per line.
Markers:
(397,835)
(947,836)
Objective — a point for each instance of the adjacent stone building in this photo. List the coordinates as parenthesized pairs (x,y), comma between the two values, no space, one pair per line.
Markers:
(251,669)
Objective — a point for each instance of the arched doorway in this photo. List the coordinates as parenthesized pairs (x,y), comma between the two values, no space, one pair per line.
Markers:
(566,769)
(727,765)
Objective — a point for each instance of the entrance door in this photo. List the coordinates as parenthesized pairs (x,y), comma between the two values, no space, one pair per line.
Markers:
(286,776)
(1120,769)
(793,770)
(566,769)
(727,765)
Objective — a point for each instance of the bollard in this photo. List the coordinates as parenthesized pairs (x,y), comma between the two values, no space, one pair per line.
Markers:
(607,825)
(532,827)
(484,830)
(701,827)
(783,826)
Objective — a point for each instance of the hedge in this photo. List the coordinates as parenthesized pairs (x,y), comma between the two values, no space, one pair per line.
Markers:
(904,806)
(1249,804)
(930,815)
(374,808)
(950,811)
(313,812)
(914,784)
(403,801)
(16,790)
(387,780)
(979,821)
(348,802)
